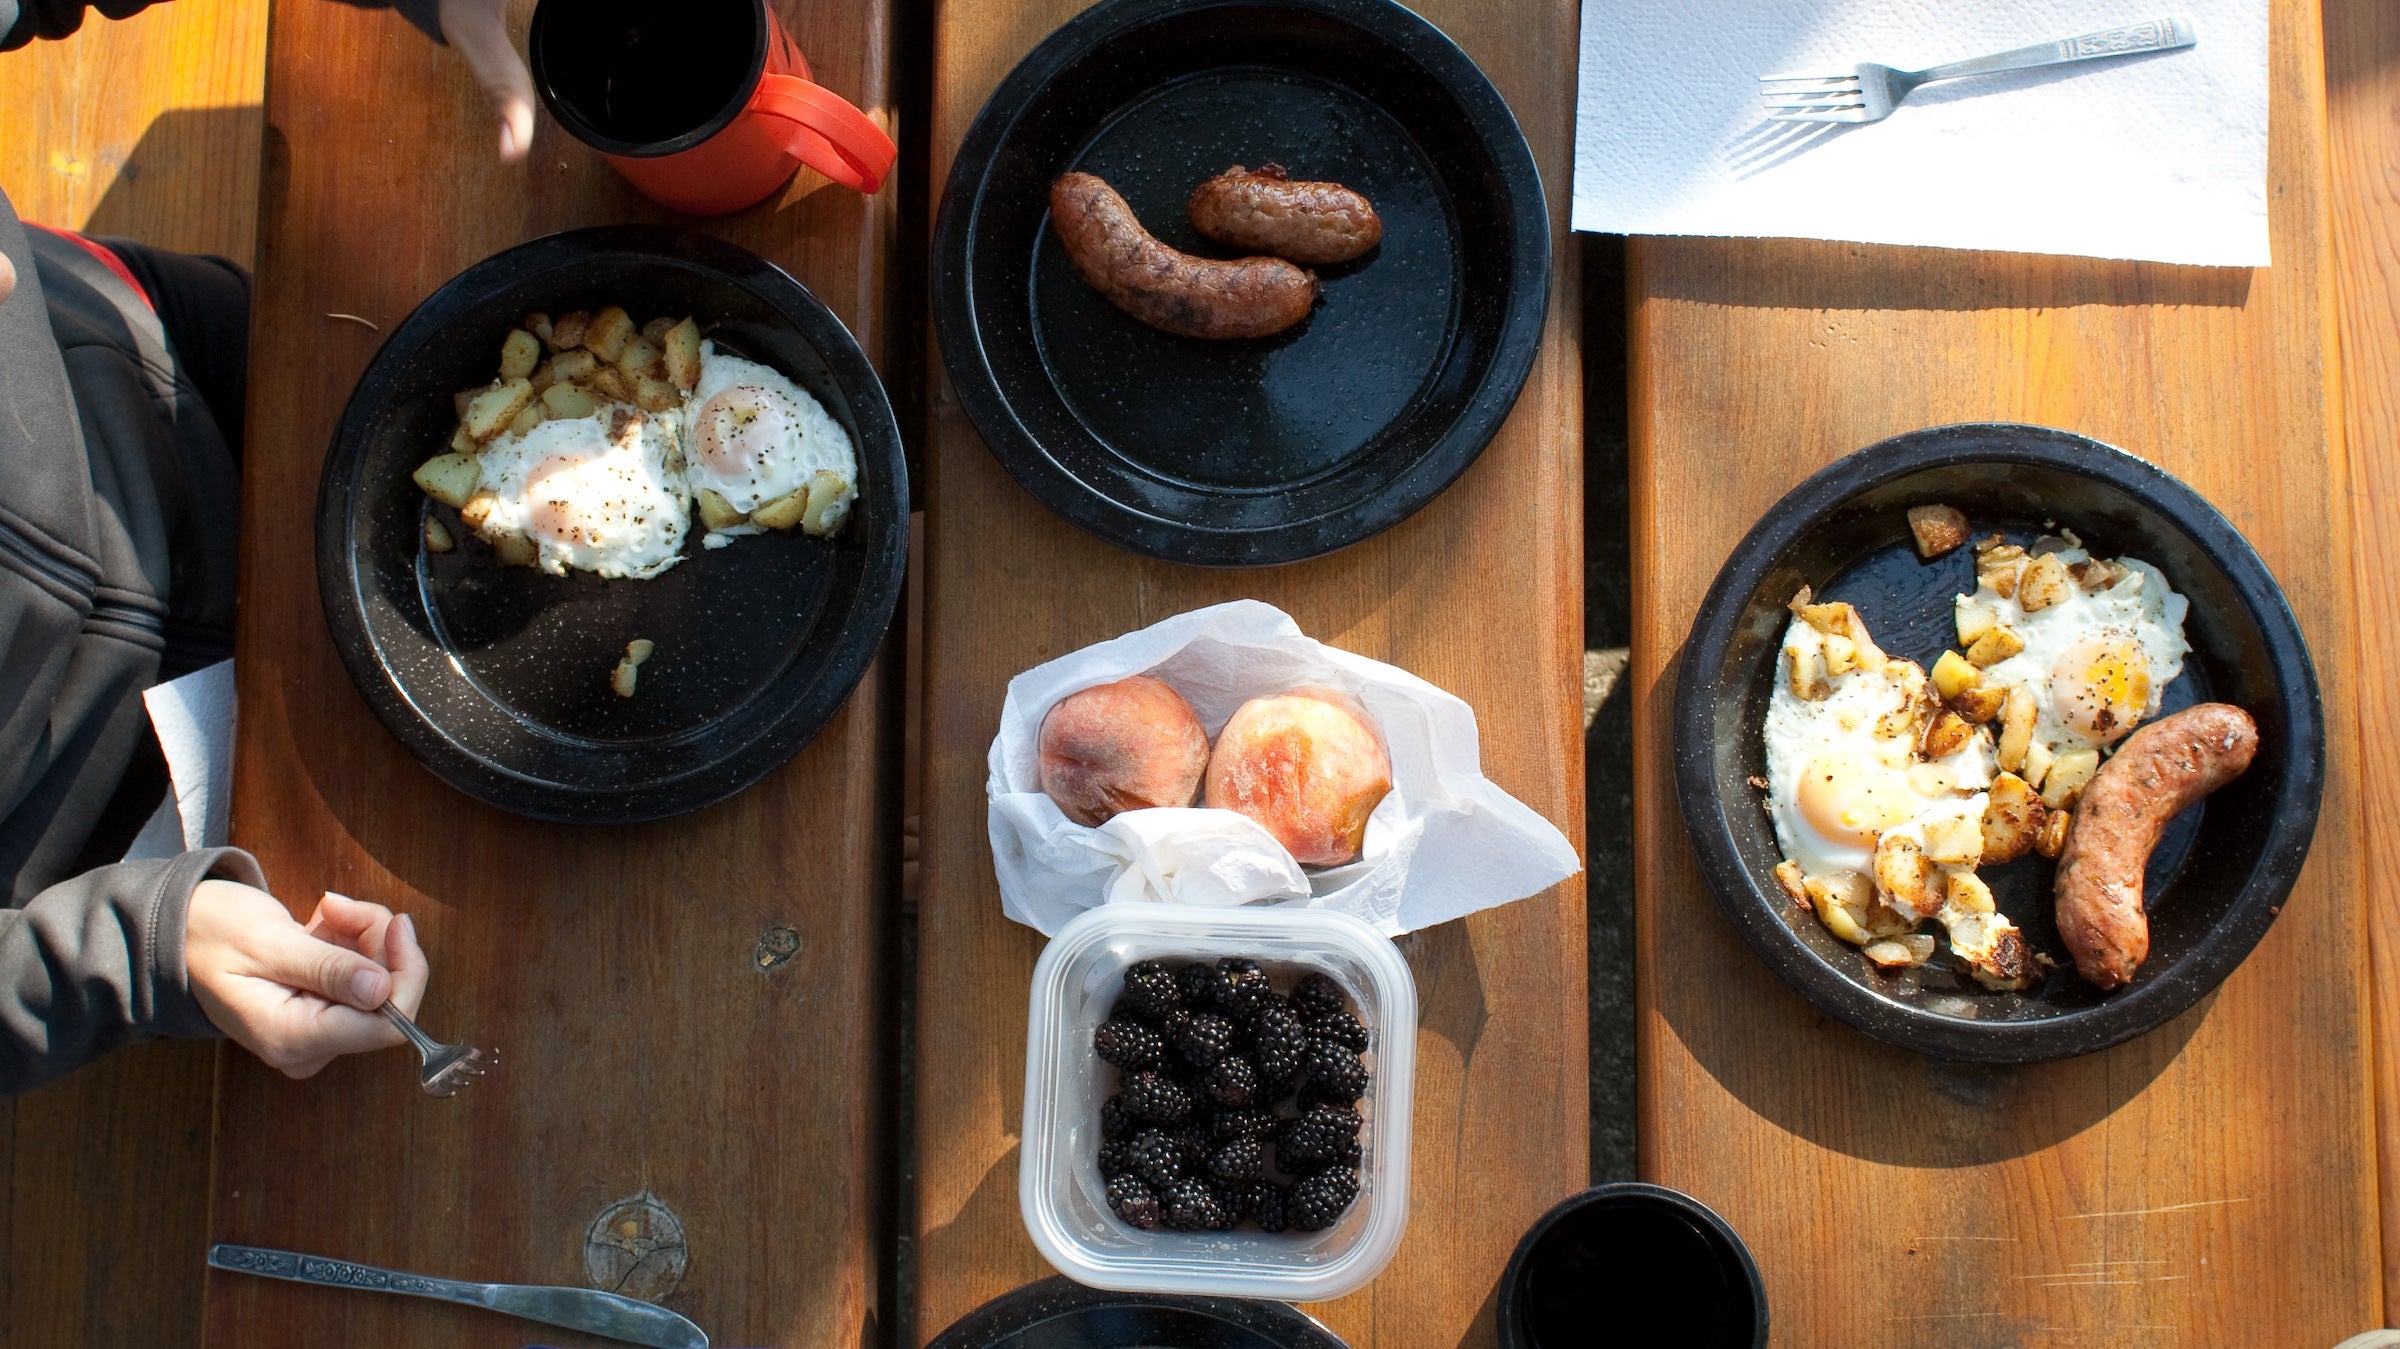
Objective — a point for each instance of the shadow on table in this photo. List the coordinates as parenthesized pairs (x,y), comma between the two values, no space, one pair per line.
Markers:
(190,183)
(1813,274)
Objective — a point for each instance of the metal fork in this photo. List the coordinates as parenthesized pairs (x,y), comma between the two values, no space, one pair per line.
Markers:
(1869,92)
(447,1067)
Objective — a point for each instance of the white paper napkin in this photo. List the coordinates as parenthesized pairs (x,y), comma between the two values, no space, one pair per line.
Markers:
(2160,157)
(194,720)
(1444,843)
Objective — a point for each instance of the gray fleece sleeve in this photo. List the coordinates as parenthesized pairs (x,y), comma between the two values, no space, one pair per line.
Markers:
(97,962)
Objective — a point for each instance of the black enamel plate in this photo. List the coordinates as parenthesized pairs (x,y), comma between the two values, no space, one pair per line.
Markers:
(497,678)
(1245,453)
(2224,867)
(1060,1313)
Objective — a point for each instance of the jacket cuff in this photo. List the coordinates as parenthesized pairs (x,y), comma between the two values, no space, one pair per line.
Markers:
(172,1008)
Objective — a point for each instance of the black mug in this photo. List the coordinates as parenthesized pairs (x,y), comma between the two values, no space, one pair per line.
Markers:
(1632,1265)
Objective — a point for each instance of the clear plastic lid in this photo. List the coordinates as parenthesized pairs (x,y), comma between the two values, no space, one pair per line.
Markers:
(1059,1185)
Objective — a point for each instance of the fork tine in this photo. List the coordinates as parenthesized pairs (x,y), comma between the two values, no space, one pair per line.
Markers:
(1808,95)
(1829,101)
(1835,115)
(1851,79)
(1821,112)
(1812,87)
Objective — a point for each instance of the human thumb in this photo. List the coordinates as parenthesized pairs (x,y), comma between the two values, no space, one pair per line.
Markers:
(298,960)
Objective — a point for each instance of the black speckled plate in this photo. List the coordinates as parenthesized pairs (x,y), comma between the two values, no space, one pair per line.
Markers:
(498,678)
(2221,873)
(1245,453)
(1060,1313)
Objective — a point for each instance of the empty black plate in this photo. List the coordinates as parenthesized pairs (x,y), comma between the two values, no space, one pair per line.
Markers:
(1245,453)
(497,678)
(2223,869)
(1059,1313)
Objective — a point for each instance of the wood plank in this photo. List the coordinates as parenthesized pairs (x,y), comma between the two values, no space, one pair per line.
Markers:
(2362,90)
(646,1050)
(147,128)
(1895,1202)
(1480,593)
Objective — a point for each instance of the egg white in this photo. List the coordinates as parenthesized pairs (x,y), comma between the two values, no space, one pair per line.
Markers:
(753,436)
(2141,607)
(603,494)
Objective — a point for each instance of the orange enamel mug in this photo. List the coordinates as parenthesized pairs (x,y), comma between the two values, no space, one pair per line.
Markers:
(705,106)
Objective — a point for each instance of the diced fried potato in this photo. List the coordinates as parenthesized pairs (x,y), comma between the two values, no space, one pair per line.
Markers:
(611,329)
(1882,920)
(1955,840)
(2096,574)
(2063,540)
(610,383)
(1967,891)
(2007,967)
(1907,719)
(520,352)
(461,442)
(537,323)
(1832,619)
(2053,838)
(828,503)
(568,331)
(477,511)
(656,329)
(566,401)
(2016,727)
(639,649)
(2044,583)
(718,513)
(782,513)
(2068,774)
(437,535)
(681,347)
(1952,675)
(494,409)
(514,550)
(638,356)
(527,419)
(1900,953)
(569,366)
(2012,817)
(655,395)
(2037,763)
(1904,877)
(1939,529)
(1841,654)
(1803,598)
(1980,704)
(1995,646)
(623,678)
(1807,674)
(465,398)
(1946,734)
(1932,779)
(1974,620)
(449,478)
(1840,899)
(2002,577)
(1787,875)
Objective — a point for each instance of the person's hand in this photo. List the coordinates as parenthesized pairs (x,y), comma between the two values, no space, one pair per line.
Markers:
(479,31)
(299,997)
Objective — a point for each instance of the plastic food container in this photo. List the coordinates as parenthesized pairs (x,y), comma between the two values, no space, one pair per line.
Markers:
(1059,1185)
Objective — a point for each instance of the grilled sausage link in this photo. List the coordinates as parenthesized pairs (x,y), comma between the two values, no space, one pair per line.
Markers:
(1311,223)
(1165,288)
(2158,771)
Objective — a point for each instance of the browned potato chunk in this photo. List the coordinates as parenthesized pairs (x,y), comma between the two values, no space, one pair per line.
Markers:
(656,329)
(537,323)
(494,409)
(2097,574)
(2044,583)
(638,357)
(1946,734)
(525,421)
(1967,891)
(515,550)
(568,332)
(477,512)
(449,478)
(1999,566)
(437,535)
(718,513)
(828,503)
(2068,774)
(1979,705)
(2017,712)
(567,367)
(566,401)
(520,352)
(655,395)
(2037,763)
(1974,620)
(681,347)
(639,649)
(463,443)
(610,383)
(783,512)
(623,678)
(2012,818)
(611,329)
(1840,899)
(1953,675)
(1787,875)
(2053,838)
(1994,647)
(465,398)
(1939,529)
(1955,840)
(1807,674)
(1905,877)
(1900,953)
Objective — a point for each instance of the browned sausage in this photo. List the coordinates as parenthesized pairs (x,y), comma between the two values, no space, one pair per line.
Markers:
(1313,223)
(2159,770)
(1197,297)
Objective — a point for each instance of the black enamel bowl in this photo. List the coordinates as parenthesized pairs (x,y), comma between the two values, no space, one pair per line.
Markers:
(2223,869)
(497,678)
(1059,1313)
(1245,453)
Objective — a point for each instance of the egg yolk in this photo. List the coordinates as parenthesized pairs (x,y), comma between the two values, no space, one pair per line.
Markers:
(553,486)
(2101,687)
(1850,801)
(738,428)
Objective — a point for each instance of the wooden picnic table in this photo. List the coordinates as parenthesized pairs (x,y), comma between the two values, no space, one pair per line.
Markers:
(2212,1183)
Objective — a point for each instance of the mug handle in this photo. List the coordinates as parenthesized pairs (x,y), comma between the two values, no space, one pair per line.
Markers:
(821,129)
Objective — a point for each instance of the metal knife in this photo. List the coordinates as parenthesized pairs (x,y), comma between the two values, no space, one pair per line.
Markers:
(586,1309)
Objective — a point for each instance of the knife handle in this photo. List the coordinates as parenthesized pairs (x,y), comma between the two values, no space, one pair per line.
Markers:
(338,1273)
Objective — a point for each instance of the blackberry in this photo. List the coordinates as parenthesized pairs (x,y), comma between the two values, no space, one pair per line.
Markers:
(1240,986)
(1134,1202)
(1269,1206)
(1156,1097)
(1243,1159)
(1320,1199)
(1113,1159)
(1335,1072)
(1128,1044)
(1155,1157)
(1319,995)
(1150,990)
(1253,1122)
(1341,1028)
(1114,1122)
(1233,1082)
(1204,1039)
(1189,1205)
(1317,1138)
(1198,985)
(1280,1043)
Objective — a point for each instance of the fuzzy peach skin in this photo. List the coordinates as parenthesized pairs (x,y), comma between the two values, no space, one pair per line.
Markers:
(1308,766)
(1123,746)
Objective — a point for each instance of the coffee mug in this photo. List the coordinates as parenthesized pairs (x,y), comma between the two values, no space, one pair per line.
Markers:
(705,106)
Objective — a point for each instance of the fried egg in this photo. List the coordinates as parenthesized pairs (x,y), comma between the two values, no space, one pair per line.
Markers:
(2097,662)
(754,438)
(603,494)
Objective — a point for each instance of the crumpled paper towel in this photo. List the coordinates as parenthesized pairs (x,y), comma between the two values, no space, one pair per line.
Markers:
(1444,843)
(2160,157)
(193,717)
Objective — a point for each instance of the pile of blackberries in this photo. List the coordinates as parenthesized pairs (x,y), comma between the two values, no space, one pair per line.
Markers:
(1237,1102)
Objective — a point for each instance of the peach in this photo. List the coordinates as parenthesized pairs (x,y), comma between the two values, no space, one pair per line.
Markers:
(1123,746)
(1308,766)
